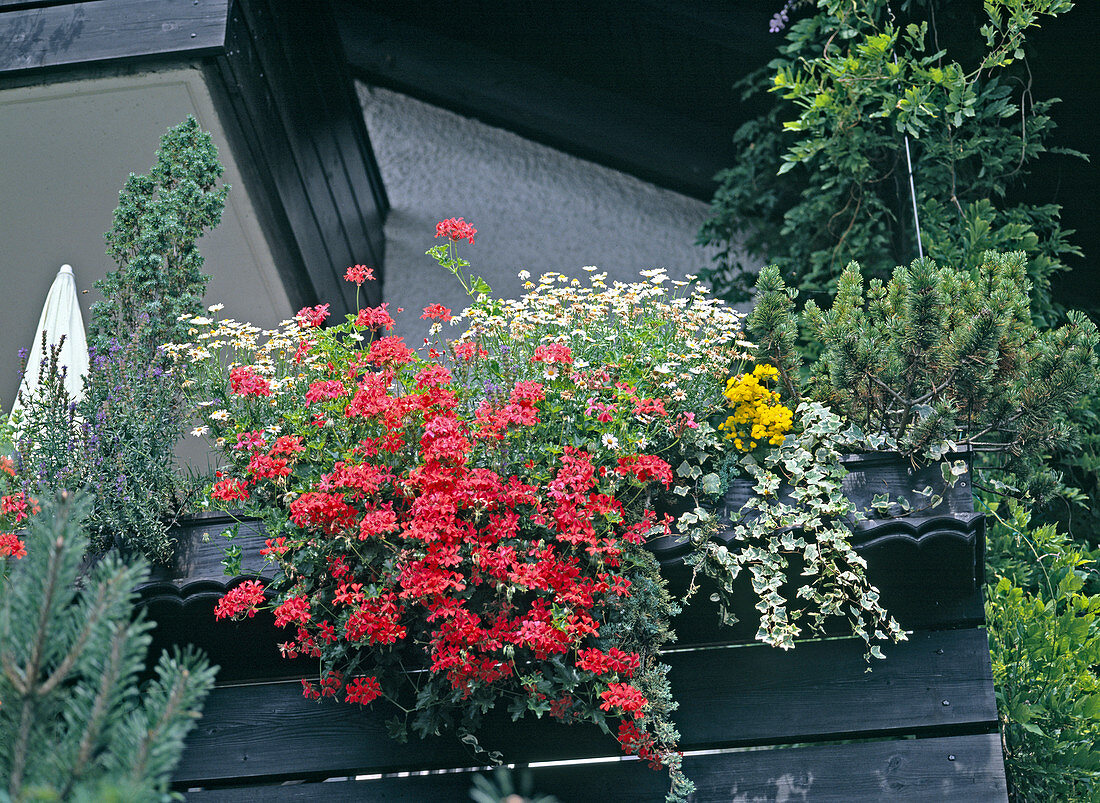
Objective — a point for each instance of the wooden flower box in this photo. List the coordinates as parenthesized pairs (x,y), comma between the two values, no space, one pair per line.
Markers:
(921,726)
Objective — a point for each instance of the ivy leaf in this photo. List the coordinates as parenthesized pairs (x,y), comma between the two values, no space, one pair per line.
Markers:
(710,483)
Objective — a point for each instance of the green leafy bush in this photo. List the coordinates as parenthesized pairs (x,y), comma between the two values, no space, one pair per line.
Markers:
(1043,611)
(75,723)
(822,178)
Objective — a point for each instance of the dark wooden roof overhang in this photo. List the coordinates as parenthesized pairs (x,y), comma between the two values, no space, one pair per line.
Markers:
(282,93)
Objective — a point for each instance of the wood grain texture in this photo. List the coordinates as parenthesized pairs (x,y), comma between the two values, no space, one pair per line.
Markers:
(109,30)
(200,547)
(655,144)
(966,769)
(729,698)
(293,110)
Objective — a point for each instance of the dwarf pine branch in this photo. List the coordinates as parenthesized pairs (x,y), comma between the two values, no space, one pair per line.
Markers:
(74,718)
(939,358)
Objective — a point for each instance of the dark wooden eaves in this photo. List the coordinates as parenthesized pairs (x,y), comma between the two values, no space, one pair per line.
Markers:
(668,148)
(279,83)
(72,34)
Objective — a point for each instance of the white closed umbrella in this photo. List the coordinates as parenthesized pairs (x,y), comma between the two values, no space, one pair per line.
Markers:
(60,318)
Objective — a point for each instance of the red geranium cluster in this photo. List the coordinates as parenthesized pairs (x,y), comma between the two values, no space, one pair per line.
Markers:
(245,381)
(359,274)
(14,509)
(425,525)
(455,228)
(432,550)
(11,546)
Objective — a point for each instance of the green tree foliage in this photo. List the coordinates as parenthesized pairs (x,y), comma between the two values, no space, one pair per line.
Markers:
(122,442)
(157,224)
(822,178)
(1043,610)
(939,358)
(75,723)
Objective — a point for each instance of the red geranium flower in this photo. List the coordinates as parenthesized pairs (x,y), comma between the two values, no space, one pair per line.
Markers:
(375,317)
(230,489)
(456,229)
(359,274)
(11,546)
(244,598)
(362,690)
(244,381)
(312,316)
(437,312)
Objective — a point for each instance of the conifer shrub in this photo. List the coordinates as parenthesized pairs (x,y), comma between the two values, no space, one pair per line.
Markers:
(939,359)
(75,721)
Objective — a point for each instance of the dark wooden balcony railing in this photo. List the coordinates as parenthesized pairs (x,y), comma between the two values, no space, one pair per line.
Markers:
(757,723)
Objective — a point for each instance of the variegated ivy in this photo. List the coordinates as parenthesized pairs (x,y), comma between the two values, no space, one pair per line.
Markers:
(798,519)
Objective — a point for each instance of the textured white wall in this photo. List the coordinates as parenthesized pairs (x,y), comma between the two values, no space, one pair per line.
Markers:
(535,208)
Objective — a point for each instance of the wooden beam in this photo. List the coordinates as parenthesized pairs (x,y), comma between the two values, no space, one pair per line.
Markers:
(658,146)
(290,106)
(967,769)
(51,37)
(935,684)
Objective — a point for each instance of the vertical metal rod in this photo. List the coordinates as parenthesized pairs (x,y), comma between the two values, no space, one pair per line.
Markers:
(913,195)
(912,185)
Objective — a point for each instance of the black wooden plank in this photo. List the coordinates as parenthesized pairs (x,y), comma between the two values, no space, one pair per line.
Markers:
(275,29)
(937,683)
(294,95)
(259,144)
(913,589)
(649,142)
(926,580)
(968,769)
(295,113)
(109,30)
(200,548)
(279,148)
(337,130)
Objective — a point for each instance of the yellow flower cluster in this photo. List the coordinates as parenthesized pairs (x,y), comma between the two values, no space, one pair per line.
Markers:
(757,413)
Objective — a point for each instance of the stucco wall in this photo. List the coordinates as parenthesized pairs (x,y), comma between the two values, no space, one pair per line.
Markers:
(535,208)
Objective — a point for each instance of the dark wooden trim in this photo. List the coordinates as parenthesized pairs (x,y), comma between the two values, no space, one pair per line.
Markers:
(59,36)
(653,144)
(730,697)
(967,769)
(282,93)
(929,572)
(293,110)
(925,570)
